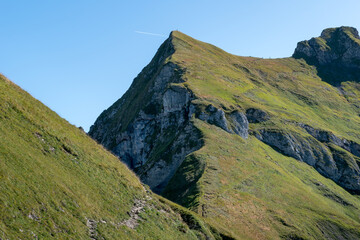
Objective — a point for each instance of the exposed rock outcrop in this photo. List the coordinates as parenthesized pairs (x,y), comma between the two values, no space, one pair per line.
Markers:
(307,150)
(329,137)
(329,160)
(254,115)
(134,214)
(239,123)
(348,169)
(151,129)
(92,225)
(336,54)
(234,122)
(214,116)
(160,135)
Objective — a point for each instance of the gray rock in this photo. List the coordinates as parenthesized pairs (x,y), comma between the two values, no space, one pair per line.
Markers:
(240,124)
(254,115)
(175,98)
(141,146)
(215,116)
(334,44)
(322,135)
(158,133)
(336,54)
(235,122)
(291,144)
(330,162)
(161,134)
(348,169)
(329,137)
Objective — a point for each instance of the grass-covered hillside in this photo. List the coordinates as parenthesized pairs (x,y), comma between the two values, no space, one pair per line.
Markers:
(246,185)
(277,149)
(57,183)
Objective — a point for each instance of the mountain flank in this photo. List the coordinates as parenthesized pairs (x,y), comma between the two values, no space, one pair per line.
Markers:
(261,148)
(57,183)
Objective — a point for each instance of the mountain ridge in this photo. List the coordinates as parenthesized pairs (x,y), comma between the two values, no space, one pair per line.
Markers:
(275,121)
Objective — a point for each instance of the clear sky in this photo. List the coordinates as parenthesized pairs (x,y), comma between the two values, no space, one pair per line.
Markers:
(80,56)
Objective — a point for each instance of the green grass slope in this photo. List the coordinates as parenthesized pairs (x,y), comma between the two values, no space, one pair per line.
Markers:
(286,88)
(245,186)
(57,183)
(251,190)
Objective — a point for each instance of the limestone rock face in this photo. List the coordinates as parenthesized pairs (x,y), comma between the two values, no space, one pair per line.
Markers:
(240,124)
(235,122)
(214,116)
(336,54)
(151,129)
(160,135)
(306,150)
(256,115)
(329,137)
(339,165)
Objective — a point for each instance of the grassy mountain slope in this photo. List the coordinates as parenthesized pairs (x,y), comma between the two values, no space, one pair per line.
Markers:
(255,192)
(245,185)
(290,173)
(288,89)
(56,182)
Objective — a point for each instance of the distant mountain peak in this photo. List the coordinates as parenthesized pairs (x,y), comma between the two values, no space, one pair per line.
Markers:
(336,54)
(329,33)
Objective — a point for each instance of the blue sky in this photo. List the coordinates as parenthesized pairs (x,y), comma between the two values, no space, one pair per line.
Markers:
(78,57)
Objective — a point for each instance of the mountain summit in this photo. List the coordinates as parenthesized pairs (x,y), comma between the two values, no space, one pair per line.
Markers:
(261,148)
(336,54)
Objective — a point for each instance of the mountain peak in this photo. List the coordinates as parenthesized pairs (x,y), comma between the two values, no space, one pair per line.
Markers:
(330,33)
(176,33)
(221,134)
(336,54)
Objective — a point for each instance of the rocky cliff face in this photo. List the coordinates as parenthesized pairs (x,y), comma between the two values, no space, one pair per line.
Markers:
(211,130)
(159,132)
(335,158)
(151,129)
(336,54)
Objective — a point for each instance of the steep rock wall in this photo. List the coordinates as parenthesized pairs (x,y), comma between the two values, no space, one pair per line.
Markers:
(328,154)
(151,129)
(336,54)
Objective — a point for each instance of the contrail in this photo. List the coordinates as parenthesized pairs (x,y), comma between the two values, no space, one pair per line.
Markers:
(152,34)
